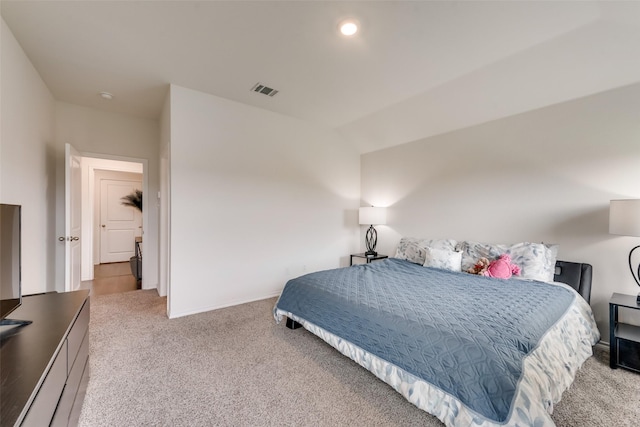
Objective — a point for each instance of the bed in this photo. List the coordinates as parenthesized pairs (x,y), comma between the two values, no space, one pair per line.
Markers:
(469,349)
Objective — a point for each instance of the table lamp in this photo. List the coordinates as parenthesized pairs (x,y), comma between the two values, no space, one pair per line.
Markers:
(624,220)
(372,216)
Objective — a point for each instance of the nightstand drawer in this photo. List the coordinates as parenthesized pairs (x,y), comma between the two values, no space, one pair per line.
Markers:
(628,354)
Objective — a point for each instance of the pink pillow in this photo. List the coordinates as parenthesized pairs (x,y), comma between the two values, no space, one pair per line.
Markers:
(502,268)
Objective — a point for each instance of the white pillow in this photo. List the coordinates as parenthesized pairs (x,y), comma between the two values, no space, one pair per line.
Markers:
(445,259)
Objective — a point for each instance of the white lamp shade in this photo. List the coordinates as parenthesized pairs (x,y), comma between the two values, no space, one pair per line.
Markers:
(373,216)
(624,217)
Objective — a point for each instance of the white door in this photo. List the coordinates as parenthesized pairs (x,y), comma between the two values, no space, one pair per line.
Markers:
(119,224)
(73,212)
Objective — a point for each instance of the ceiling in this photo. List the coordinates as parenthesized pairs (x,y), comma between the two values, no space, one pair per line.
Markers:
(415,69)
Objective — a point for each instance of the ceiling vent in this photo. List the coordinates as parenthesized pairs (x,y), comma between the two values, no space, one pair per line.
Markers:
(260,88)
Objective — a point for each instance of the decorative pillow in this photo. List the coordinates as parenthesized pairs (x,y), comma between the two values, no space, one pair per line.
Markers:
(550,260)
(448,244)
(445,259)
(411,251)
(406,250)
(473,251)
(536,261)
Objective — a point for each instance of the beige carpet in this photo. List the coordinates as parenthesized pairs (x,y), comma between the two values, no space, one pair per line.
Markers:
(236,367)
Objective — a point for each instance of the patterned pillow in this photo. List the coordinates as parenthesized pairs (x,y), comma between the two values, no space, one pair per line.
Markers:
(445,259)
(536,261)
(412,249)
(473,251)
(550,260)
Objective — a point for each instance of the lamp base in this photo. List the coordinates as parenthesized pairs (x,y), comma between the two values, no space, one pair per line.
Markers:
(371,239)
(636,276)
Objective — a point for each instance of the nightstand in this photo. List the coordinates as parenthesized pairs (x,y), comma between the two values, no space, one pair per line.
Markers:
(369,258)
(624,338)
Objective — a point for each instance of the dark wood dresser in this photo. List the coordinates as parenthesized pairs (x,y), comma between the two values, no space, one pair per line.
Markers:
(44,366)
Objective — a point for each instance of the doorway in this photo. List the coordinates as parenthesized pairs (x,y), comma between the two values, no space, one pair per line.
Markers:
(106,250)
(110,279)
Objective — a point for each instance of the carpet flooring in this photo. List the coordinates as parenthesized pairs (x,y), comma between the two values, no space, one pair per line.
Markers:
(236,367)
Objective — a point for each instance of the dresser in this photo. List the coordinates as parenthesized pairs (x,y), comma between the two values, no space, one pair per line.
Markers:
(44,365)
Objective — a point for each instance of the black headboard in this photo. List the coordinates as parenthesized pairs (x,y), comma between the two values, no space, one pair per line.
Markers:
(576,275)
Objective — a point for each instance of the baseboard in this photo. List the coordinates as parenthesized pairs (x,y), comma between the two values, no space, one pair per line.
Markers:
(225,305)
(603,345)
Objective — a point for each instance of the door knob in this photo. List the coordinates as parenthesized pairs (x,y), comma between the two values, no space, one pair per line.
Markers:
(73,239)
(103,226)
(61,239)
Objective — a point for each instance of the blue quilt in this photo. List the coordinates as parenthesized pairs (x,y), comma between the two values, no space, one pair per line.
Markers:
(467,335)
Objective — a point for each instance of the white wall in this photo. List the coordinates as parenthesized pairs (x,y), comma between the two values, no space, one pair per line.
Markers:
(595,56)
(256,198)
(165,197)
(117,136)
(545,175)
(27,160)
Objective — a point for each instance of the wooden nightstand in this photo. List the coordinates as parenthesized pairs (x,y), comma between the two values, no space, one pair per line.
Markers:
(624,338)
(369,258)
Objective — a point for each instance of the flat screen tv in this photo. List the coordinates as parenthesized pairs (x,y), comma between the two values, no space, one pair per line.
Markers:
(10,292)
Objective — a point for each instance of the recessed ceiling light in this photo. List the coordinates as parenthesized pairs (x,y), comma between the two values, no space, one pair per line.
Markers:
(348,27)
(106,95)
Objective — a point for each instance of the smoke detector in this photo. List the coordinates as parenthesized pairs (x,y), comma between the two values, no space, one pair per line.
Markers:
(260,88)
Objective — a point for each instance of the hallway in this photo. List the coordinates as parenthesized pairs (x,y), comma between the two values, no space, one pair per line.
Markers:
(110,279)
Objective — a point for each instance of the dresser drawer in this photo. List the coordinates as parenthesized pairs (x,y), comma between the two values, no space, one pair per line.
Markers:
(70,393)
(45,402)
(77,333)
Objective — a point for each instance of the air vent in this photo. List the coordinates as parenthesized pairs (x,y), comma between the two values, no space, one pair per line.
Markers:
(260,88)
